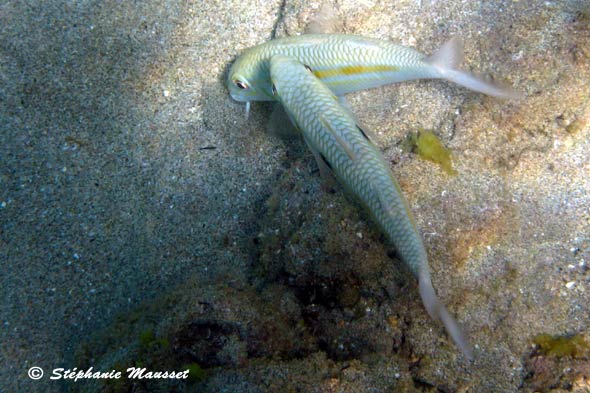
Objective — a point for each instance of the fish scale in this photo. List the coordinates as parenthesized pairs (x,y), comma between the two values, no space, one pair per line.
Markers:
(308,71)
(347,63)
(344,62)
(366,176)
(333,135)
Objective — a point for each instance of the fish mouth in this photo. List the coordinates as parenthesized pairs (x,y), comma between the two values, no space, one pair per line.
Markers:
(242,99)
(238,97)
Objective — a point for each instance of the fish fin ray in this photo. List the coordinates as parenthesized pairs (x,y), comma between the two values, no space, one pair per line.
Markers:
(326,173)
(438,311)
(446,61)
(449,55)
(474,83)
(281,123)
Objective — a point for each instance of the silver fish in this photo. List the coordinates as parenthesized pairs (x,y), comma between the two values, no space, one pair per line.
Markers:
(341,146)
(348,63)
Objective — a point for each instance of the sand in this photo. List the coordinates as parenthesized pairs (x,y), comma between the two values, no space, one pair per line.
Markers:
(144,220)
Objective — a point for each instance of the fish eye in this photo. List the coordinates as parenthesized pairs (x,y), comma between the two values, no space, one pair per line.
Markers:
(274,90)
(240,84)
(308,68)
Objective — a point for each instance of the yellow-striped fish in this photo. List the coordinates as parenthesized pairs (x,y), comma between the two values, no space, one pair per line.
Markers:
(338,143)
(347,63)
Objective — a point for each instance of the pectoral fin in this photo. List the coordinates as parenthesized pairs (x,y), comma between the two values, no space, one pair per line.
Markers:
(329,181)
(280,123)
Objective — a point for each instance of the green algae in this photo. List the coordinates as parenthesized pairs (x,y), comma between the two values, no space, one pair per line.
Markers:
(195,372)
(576,126)
(560,346)
(147,339)
(429,147)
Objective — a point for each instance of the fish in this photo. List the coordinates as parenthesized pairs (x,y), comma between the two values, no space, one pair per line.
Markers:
(348,63)
(342,147)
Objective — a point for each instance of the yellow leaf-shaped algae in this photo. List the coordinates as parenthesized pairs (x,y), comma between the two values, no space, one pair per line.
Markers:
(429,147)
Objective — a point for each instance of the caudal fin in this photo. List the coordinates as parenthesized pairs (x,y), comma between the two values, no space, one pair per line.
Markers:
(437,310)
(446,60)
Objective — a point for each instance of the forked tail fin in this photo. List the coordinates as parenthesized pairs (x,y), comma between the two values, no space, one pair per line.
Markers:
(446,60)
(437,310)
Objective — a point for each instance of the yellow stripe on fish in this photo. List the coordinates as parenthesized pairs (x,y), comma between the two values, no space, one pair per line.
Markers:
(348,63)
(353,70)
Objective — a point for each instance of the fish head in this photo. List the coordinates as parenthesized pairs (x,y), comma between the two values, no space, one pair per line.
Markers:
(249,79)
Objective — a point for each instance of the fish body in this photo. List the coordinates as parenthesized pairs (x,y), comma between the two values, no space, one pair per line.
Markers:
(348,63)
(339,143)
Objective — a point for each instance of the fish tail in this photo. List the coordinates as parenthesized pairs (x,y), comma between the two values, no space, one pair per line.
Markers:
(446,61)
(437,310)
